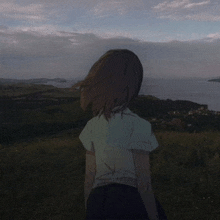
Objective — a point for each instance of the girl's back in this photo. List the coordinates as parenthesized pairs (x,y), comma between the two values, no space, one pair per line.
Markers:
(115,139)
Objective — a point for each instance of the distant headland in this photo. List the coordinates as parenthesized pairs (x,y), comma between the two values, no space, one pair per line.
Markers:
(214,80)
(31,81)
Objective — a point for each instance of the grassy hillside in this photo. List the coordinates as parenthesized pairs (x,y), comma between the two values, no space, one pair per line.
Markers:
(34,110)
(42,161)
(29,111)
(44,178)
(186,173)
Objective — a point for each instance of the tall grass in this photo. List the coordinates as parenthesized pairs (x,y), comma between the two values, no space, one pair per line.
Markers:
(44,178)
(186,174)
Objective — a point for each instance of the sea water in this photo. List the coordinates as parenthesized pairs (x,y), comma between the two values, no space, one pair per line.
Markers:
(197,90)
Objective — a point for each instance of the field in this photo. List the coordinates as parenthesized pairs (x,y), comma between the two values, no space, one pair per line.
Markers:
(42,161)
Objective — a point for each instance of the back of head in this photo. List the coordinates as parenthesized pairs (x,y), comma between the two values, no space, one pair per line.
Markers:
(114,80)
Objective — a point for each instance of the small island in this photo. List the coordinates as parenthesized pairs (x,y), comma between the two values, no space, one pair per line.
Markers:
(214,80)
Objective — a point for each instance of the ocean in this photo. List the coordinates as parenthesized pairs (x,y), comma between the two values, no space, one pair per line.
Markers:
(197,90)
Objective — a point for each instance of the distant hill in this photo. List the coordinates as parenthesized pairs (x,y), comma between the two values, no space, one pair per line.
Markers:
(31,81)
(32,110)
(214,80)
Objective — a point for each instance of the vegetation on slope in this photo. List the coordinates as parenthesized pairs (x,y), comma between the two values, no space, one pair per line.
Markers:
(42,161)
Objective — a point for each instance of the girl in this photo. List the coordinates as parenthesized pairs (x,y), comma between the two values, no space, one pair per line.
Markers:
(118,142)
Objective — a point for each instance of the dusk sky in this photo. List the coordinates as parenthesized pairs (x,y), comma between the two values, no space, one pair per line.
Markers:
(63,38)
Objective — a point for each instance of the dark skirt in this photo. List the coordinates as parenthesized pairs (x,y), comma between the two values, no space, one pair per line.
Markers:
(118,201)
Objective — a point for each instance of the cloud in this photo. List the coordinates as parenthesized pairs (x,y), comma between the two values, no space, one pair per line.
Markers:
(192,17)
(211,38)
(188,10)
(32,13)
(42,30)
(104,8)
(11,10)
(30,54)
(59,11)
(191,5)
(203,16)
(169,5)
(178,4)
(214,36)
(120,7)
(3,27)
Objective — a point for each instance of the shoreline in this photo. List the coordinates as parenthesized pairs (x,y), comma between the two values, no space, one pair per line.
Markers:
(30,111)
(160,88)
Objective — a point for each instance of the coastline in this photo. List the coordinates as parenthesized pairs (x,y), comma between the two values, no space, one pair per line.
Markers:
(198,90)
(30,111)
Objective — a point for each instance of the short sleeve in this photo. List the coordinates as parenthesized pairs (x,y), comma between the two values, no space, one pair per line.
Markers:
(142,137)
(86,136)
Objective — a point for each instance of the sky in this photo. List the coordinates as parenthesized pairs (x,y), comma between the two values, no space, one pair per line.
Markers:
(54,38)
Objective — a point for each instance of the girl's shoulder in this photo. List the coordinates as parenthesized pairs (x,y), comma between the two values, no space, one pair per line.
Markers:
(130,116)
(136,118)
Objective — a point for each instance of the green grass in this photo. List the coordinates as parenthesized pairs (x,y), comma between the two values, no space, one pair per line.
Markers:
(42,161)
(44,178)
(186,173)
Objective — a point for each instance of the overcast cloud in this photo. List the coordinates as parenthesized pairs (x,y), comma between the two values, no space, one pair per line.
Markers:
(64,38)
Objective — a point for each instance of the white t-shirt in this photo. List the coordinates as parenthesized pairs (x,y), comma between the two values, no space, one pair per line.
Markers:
(112,141)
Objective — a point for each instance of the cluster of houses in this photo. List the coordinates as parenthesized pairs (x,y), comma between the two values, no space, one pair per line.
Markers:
(199,111)
(178,122)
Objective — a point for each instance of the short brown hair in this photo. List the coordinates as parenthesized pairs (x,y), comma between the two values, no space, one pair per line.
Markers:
(114,80)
